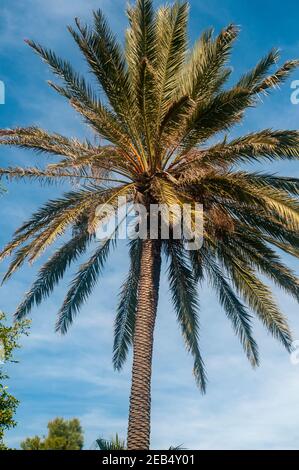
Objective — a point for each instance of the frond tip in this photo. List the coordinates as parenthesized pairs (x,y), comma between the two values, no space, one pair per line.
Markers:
(184,296)
(82,287)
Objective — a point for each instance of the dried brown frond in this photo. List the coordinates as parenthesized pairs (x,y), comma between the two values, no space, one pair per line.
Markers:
(219,222)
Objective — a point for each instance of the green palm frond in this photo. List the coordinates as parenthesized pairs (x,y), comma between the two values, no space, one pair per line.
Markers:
(235,310)
(283,183)
(171,31)
(52,211)
(241,188)
(107,62)
(277,78)
(105,124)
(140,47)
(114,444)
(43,240)
(196,261)
(105,59)
(76,86)
(255,251)
(184,295)
(258,296)
(266,227)
(17,261)
(277,200)
(53,271)
(80,94)
(204,74)
(82,286)
(125,317)
(218,114)
(47,229)
(267,144)
(290,248)
(140,42)
(254,77)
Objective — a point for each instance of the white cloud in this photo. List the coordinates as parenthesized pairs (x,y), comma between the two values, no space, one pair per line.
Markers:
(46,19)
(261,417)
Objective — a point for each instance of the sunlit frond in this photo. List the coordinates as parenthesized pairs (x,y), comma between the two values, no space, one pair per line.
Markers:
(253,250)
(267,144)
(51,211)
(171,46)
(107,62)
(53,271)
(204,74)
(54,175)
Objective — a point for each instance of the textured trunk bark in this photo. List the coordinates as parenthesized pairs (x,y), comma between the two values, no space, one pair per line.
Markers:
(140,400)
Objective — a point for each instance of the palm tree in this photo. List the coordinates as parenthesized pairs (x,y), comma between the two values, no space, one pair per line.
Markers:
(163,105)
(114,444)
(118,444)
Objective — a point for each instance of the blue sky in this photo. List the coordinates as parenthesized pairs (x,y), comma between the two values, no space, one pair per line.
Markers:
(73,375)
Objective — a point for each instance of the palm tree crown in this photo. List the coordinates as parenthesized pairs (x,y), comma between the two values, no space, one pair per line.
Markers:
(163,104)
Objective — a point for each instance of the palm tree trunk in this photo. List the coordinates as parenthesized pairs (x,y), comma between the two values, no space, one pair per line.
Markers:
(140,400)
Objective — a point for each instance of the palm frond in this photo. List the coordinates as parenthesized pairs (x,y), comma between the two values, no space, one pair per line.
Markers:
(52,272)
(240,188)
(254,147)
(43,240)
(235,310)
(254,77)
(184,296)
(265,226)
(82,286)
(56,175)
(204,74)
(139,51)
(107,62)
(81,95)
(258,296)
(125,317)
(218,114)
(114,444)
(171,31)
(45,142)
(277,78)
(259,255)
(55,210)
(281,183)
(76,86)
